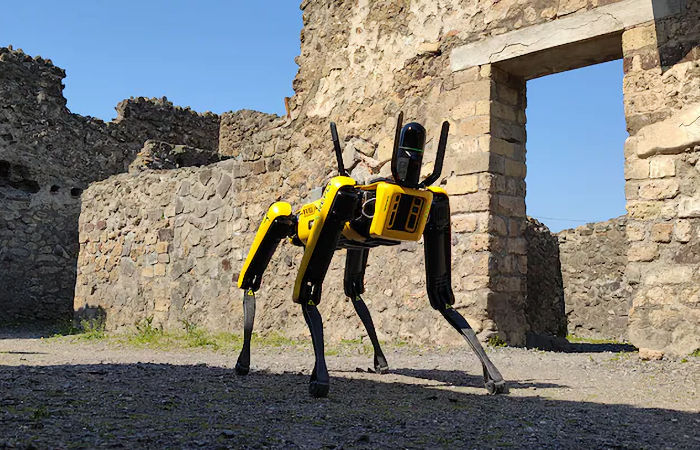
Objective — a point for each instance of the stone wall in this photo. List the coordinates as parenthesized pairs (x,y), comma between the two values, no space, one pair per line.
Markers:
(662,105)
(360,64)
(47,157)
(544,307)
(596,292)
(169,244)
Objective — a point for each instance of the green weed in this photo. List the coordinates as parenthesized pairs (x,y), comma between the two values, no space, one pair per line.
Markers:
(496,342)
(40,413)
(146,334)
(582,340)
(92,329)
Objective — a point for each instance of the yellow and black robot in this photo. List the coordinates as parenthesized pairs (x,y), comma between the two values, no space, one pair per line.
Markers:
(358,217)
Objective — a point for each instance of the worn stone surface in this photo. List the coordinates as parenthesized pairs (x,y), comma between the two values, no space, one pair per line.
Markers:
(597,294)
(47,157)
(545,308)
(662,94)
(157,155)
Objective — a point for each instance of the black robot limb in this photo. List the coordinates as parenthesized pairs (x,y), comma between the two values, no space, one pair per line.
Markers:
(355,263)
(243,362)
(439,282)
(319,382)
(312,273)
(277,224)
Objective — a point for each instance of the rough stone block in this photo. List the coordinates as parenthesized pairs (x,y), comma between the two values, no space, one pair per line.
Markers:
(477,162)
(159,270)
(462,184)
(638,37)
(670,136)
(473,91)
(659,189)
(464,223)
(463,110)
(517,246)
(689,207)
(570,6)
(479,242)
(508,149)
(479,201)
(648,354)
(635,231)
(467,75)
(162,247)
(683,230)
(637,169)
(661,232)
(642,252)
(515,168)
(475,126)
(662,166)
(511,206)
(675,274)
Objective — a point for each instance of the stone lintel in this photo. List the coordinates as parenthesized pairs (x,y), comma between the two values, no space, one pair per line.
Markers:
(599,30)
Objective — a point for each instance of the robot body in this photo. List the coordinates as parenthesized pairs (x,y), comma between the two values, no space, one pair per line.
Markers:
(358,218)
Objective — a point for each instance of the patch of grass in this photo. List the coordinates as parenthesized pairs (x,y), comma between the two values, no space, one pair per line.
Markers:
(621,356)
(346,346)
(198,337)
(696,353)
(88,329)
(496,342)
(40,413)
(147,335)
(92,329)
(581,340)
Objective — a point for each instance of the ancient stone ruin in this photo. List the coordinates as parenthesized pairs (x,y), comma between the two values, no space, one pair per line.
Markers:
(151,215)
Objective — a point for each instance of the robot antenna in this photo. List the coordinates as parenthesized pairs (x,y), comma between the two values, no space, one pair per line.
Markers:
(338,150)
(397,138)
(439,157)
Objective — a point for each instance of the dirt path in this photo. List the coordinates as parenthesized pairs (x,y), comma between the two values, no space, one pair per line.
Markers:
(62,394)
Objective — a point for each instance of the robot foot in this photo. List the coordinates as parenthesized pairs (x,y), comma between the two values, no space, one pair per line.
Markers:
(242,369)
(380,364)
(318,389)
(496,387)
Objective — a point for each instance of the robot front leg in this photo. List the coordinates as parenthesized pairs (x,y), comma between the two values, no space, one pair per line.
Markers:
(278,223)
(318,253)
(355,264)
(438,262)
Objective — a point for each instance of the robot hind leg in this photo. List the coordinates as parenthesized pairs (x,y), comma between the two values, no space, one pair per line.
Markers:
(438,261)
(278,223)
(355,264)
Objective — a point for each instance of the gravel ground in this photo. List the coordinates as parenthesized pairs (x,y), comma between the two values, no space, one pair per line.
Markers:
(63,393)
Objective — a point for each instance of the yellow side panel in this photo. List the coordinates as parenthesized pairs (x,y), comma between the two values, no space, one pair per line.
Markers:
(386,212)
(307,216)
(326,202)
(277,209)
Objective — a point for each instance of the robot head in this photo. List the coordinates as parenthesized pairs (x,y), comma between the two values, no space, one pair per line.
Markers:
(408,154)
(407,158)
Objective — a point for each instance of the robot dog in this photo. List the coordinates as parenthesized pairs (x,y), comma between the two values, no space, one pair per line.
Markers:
(357,218)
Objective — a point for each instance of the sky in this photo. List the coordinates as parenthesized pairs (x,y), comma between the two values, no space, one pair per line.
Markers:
(213,55)
(575,140)
(216,55)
